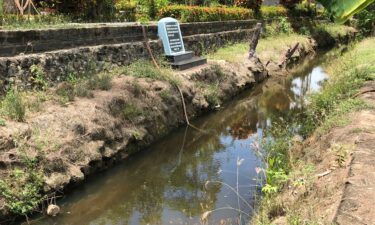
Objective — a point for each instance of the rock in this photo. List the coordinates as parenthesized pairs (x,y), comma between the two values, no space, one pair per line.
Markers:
(53,210)
(297,138)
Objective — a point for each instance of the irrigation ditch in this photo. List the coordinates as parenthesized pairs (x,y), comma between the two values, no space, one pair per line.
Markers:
(144,113)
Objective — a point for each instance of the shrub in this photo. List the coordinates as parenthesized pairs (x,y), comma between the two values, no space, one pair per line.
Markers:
(281,25)
(95,10)
(38,77)
(204,14)
(251,4)
(365,20)
(21,189)
(127,10)
(143,68)
(100,81)
(130,112)
(290,3)
(273,11)
(13,105)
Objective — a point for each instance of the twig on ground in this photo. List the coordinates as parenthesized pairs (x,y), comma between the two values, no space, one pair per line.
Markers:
(324,174)
(363,92)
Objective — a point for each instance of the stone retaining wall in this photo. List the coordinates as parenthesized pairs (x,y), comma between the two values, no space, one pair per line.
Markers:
(34,41)
(58,64)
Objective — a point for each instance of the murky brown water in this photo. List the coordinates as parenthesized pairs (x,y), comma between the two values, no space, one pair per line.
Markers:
(166,183)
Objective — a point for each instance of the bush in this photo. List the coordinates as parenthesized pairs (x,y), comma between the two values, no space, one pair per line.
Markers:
(92,10)
(365,20)
(204,14)
(273,11)
(127,10)
(281,25)
(13,105)
(251,4)
(290,4)
(21,190)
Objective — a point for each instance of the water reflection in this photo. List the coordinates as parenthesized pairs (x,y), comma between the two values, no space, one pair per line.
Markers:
(166,183)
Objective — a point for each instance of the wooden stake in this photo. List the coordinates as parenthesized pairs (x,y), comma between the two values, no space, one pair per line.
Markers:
(254,40)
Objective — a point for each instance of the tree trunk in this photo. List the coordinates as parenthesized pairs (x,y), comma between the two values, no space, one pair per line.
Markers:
(1,12)
(254,40)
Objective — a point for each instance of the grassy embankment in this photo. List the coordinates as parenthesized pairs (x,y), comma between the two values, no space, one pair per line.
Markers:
(277,36)
(327,109)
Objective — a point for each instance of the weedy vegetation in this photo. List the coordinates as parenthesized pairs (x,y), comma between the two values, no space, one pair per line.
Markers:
(13,105)
(21,188)
(326,109)
(131,111)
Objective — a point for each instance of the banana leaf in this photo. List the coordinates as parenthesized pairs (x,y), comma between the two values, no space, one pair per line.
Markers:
(342,10)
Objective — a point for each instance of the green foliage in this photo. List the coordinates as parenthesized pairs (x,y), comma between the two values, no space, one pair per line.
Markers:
(2,123)
(11,21)
(290,3)
(278,26)
(365,20)
(251,4)
(143,68)
(100,81)
(21,189)
(273,11)
(348,75)
(212,95)
(204,14)
(13,105)
(38,77)
(88,10)
(126,10)
(66,91)
(166,95)
(138,90)
(131,111)
(342,10)
(304,9)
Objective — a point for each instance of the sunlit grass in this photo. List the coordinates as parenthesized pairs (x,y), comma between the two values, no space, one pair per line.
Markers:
(270,48)
(335,30)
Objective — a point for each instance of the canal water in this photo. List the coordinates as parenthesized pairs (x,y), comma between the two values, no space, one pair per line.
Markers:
(190,174)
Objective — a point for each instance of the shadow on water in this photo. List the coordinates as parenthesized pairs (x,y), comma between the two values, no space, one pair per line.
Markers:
(165,184)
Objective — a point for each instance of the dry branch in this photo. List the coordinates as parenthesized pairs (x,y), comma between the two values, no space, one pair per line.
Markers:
(289,53)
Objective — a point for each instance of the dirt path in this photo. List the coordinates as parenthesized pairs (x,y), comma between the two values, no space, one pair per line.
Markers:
(358,202)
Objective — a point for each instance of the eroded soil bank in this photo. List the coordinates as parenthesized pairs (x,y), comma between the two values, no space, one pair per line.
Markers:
(332,171)
(66,143)
(339,188)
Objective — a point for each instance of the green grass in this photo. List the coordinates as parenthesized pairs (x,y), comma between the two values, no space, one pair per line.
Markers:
(232,53)
(347,74)
(13,105)
(21,188)
(143,68)
(131,111)
(335,30)
(16,22)
(269,48)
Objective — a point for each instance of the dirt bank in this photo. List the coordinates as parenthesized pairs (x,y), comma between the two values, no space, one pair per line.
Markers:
(336,174)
